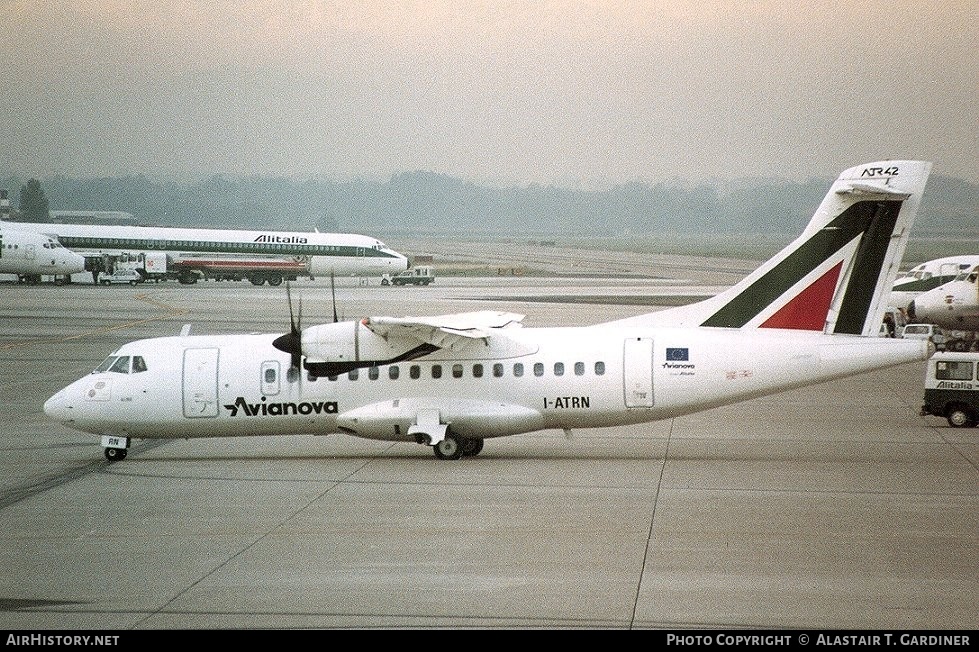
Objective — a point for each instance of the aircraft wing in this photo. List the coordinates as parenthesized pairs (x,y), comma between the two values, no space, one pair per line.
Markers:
(445,331)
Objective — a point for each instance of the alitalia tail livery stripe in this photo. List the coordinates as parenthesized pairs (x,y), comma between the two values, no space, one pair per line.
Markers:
(452,381)
(871,221)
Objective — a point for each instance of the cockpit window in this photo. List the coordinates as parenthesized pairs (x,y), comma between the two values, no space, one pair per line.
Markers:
(102,368)
(121,365)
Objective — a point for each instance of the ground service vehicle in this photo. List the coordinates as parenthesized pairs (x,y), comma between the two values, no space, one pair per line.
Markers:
(130,276)
(928,332)
(952,388)
(413,276)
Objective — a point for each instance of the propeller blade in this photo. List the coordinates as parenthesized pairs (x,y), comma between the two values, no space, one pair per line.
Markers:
(292,323)
(333,289)
(292,342)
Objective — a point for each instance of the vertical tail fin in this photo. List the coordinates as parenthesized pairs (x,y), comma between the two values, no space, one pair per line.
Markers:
(836,276)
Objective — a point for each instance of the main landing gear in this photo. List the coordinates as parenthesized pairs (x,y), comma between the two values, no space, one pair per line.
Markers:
(453,447)
(429,429)
(115,447)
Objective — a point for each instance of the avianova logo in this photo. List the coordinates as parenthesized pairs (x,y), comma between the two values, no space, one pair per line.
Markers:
(278,409)
(278,239)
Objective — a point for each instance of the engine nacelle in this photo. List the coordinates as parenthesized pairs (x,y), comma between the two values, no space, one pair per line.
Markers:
(350,343)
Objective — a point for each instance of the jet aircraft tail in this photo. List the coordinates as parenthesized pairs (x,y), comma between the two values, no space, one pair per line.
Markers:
(836,276)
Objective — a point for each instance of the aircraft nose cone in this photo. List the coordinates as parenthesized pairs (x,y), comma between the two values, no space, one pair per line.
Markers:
(57,408)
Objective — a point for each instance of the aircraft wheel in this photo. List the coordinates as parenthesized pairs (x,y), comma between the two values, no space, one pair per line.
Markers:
(960,417)
(115,454)
(472,447)
(448,449)
(384,281)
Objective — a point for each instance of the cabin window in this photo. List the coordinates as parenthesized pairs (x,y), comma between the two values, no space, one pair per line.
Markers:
(139,365)
(517,370)
(393,372)
(599,368)
(354,374)
(436,371)
(415,372)
(477,371)
(270,375)
(498,370)
(538,368)
(558,368)
(120,366)
(579,369)
(953,370)
(373,373)
(457,371)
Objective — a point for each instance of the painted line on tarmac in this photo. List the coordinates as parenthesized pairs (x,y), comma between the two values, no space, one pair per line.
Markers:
(169,311)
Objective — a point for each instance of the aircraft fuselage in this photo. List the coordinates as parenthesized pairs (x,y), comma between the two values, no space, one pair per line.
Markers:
(531,379)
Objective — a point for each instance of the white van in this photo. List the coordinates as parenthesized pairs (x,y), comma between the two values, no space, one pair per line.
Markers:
(952,388)
(925,332)
(130,276)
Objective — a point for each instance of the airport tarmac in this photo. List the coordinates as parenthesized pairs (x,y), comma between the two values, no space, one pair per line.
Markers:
(835,506)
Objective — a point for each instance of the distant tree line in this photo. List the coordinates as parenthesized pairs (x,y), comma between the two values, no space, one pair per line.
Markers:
(428,203)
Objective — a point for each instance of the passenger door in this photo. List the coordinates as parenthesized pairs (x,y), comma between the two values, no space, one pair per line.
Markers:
(200,383)
(637,372)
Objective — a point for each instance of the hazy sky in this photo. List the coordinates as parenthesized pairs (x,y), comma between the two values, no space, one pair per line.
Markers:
(578,94)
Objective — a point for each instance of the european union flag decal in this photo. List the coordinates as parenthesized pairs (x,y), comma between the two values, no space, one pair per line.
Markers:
(677,354)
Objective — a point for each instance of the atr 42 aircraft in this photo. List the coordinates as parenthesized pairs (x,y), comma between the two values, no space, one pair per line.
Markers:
(808,315)
(32,255)
(260,256)
(953,306)
(928,276)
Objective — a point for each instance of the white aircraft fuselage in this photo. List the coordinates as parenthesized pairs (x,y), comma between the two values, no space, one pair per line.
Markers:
(309,254)
(33,254)
(953,306)
(531,379)
(927,276)
(810,314)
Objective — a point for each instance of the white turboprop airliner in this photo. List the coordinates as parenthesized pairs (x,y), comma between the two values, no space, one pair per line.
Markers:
(32,255)
(928,276)
(261,256)
(810,314)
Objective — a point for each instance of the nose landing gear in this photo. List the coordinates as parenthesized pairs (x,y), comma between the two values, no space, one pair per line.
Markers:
(115,447)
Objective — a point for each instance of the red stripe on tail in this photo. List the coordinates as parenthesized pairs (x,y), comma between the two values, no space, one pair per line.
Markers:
(808,310)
